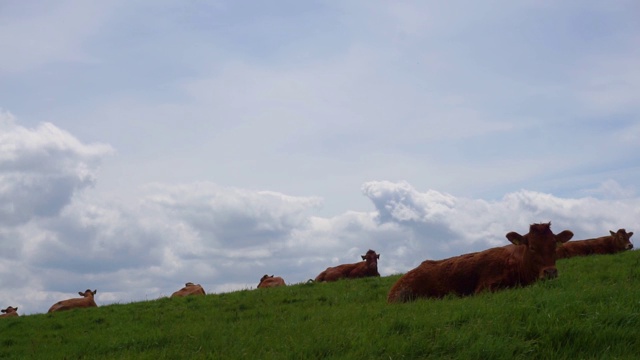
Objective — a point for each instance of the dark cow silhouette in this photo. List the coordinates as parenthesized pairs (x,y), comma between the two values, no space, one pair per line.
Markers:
(611,244)
(531,257)
(270,281)
(366,268)
(84,302)
(189,289)
(9,312)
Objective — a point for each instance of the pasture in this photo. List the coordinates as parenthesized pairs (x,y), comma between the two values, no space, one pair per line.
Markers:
(591,311)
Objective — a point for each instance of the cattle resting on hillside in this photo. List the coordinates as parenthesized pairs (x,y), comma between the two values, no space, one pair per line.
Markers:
(189,289)
(610,244)
(9,312)
(84,302)
(366,268)
(270,281)
(531,257)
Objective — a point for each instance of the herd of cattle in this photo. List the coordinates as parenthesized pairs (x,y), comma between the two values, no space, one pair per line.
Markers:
(529,258)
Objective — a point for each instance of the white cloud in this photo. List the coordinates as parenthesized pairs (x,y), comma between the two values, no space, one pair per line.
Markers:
(402,203)
(233,217)
(41,169)
(441,225)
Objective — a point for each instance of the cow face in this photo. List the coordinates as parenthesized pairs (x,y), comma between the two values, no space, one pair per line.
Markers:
(621,239)
(371,258)
(10,309)
(540,250)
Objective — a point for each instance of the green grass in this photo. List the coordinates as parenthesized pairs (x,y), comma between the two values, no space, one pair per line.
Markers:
(592,311)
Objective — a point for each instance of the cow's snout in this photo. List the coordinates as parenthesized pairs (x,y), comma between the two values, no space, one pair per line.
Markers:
(550,273)
(629,246)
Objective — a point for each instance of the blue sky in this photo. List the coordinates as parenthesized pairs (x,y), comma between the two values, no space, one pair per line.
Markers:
(146,144)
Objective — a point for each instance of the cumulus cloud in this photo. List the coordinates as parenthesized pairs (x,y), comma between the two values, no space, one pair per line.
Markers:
(440,225)
(402,203)
(42,168)
(231,217)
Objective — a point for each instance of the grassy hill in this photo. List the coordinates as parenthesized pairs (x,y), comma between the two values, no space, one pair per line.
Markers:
(592,311)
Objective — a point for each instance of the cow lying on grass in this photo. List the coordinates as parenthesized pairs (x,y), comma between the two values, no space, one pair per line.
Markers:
(84,302)
(366,268)
(611,244)
(189,289)
(531,257)
(9,312)
(270,281)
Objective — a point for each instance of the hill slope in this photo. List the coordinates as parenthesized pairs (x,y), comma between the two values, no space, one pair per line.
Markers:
(591,311)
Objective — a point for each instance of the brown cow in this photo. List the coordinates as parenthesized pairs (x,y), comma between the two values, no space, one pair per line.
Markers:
(189,289)
(9,312)
(84,302)
(270,281)
(366,268)
(531,257)
(611,244)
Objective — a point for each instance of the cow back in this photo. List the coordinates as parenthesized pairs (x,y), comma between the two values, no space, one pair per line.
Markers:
(610,244)
(76,303)
(271,281)
(366,268)
(460,275)
(190,289)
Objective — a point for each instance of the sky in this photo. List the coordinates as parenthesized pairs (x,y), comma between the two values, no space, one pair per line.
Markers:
(146,144)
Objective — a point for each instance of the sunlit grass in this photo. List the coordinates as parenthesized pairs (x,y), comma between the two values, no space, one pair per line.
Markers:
(592,311)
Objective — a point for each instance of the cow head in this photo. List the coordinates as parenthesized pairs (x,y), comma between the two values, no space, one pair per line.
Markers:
(188,284)
(88,293)
(621,239)
(263,278)
(9,310)
(371,258)
(541,245)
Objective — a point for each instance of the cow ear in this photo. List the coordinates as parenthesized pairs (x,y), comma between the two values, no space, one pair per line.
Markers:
(378,257)
(564,236)
(630,233)
(516,238)
(612,233)
(95,291)
(80,293)
(363,257)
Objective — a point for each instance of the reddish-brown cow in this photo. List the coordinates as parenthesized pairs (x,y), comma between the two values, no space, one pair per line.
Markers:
(368,267)
(9,312)
(189,289)
(531,257)
(270,281)
(611,244)
(84,302)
